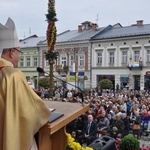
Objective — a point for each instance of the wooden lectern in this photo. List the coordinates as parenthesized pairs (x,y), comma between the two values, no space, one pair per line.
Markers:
(53,135)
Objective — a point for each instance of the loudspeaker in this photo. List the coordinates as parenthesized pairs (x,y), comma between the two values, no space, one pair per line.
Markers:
(104,142)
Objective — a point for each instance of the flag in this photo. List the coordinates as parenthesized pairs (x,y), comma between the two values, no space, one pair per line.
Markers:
(140,58)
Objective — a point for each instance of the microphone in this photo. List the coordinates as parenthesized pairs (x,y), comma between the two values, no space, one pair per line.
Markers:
(40,70)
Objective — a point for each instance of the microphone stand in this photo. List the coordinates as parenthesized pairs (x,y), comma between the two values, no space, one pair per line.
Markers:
(69,84)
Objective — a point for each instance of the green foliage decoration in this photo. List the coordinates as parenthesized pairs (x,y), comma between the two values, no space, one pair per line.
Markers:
(106,84)
(44,82)
(51,55)
(129,143)
(51,29)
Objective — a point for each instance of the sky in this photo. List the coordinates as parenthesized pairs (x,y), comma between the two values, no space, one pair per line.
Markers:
(29,15)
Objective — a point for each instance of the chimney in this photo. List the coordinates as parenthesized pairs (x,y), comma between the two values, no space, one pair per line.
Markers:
(94,25)
(80,28)
(139,22)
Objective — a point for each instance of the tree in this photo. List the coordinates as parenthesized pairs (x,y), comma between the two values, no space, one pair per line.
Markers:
(129,143)
(106,84)
(44,82)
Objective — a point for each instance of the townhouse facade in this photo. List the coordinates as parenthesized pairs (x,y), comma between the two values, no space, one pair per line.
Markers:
(29,59)
(74,55)
(90,54)
(122,54)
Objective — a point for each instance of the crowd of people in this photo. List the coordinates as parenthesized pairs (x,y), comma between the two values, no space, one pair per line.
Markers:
(115,113)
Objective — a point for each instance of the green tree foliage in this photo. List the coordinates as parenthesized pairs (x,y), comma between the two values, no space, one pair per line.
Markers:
(129,143)
(44,82)
(106,84)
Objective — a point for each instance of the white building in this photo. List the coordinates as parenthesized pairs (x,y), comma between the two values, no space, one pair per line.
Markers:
(122,54)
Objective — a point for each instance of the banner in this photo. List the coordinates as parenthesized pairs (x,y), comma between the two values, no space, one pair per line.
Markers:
(72,79)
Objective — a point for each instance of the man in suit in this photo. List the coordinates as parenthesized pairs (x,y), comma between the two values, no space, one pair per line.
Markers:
(89,131)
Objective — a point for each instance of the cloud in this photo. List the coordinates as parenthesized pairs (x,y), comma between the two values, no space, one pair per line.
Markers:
(70,13)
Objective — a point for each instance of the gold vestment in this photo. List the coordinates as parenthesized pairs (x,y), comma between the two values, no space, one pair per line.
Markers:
(22,112)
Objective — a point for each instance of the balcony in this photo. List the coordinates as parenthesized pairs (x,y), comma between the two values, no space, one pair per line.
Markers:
(135,65)
(61,68)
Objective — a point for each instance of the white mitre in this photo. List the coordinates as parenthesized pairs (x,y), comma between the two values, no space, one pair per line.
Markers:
(8,36)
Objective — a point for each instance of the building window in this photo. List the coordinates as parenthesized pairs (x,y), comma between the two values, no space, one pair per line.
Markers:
(136,56)
(63,60)
(21,61)
(35,61)
(148,55)
(111,57)
(124,57)
(99,58)
(81,60)
(71,60)
(46,63)
(28,61)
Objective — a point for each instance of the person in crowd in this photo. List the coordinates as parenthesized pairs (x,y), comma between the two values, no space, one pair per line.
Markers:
(73,134)
(61,93)
(65,91)
(120,94)
(46,93)
(101,111)
(57,93)
(124,106)
(22,111)
(95,107)
(109,107)
(134,108)
(126,124)
(120,109)
(145,118)
(137,94)
(99,91)
(89,131)
(117,87)
(113,111)
(129,107)
(136,122)
(111,93)
(110,118)
(71,126)
(103,124)
(117,127)
(79,126)
(69,95)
